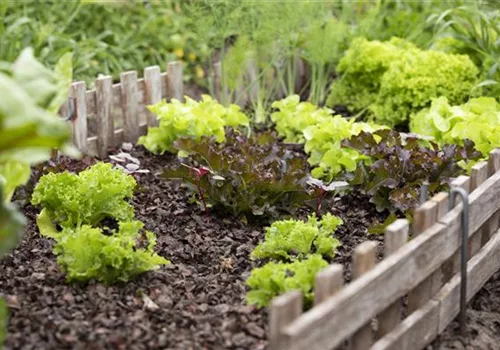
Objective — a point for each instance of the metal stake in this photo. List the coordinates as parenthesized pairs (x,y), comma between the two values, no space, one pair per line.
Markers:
(465,251)
(424,192)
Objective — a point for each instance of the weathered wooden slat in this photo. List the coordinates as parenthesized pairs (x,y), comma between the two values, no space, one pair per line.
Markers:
(360,301)
(90,98)
(105,124)
(79,124)
(129,105)
(152,80)
(479,174)
(396,235)
(364,259)
(328,282)
(175,81)
(415,332)
(284,309)
(424,217)
(442,200)
(494,222)
(116,111)
(451,267)
(479,269)
(164,84)
(92,146)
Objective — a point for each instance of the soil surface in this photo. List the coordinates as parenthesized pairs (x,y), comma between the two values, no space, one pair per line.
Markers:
(483,322)
(197,302)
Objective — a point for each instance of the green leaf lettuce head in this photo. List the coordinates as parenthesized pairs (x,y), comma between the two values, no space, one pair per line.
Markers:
(87,198)
(276,278)
(293,117)
(191,119)
(394,79)
(86,253)
(477,120)
(290,238)
(323,143)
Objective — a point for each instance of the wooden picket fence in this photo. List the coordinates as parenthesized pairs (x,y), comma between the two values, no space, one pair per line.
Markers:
(369,312)
(119,110)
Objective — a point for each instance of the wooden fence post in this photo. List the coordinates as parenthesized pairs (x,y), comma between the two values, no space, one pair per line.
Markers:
(284,309)
(175,80)
(478,175)
(152,83)
(396,235)
(79,124)
(451,267)
(494,222)
(425,216)
(130,106)
(105,124)
(328,282)
(364,259)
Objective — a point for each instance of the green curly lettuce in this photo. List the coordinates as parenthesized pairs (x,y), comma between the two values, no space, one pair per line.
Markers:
(276,278)
(87,198)
(289,238)
(86,253)
(477,120)
(394,79)
(191,119)
(293,117)
(361,71)
(323,143)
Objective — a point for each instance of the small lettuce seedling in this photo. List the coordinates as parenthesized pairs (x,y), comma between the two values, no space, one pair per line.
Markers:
(276,278)
(288,239)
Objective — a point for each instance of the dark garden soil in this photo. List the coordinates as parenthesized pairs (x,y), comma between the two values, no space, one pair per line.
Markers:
(483,322)
(197,302)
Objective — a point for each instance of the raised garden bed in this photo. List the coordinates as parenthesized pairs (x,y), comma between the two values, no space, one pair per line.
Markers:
(198,302)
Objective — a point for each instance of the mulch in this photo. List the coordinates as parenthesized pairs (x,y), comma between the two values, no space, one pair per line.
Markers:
(197,302)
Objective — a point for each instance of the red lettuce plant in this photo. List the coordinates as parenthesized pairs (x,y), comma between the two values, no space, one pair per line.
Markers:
(400,165)
(244,175)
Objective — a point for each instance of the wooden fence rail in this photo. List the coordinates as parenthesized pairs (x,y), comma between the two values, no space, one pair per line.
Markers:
(119,111)
(425,269)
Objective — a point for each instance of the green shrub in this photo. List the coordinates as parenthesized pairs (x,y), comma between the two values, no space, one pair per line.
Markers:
(86,253)
(395,79)
(98,192)
(477,120)
(191,119)
(288,238)
(276,278)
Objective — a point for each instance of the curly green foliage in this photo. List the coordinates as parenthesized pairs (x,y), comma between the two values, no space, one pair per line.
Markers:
(401,165)
(293,117)
(395,79)
(87,198)
(86,253)
(361,71)
(255,175)
(477,120)
(276,278)
(290,238)
(416,78)
(191,119)
(323,143)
